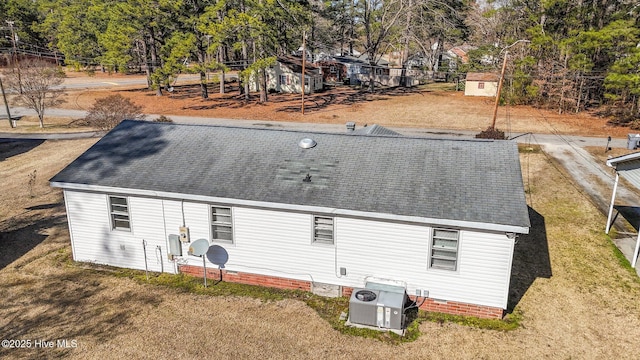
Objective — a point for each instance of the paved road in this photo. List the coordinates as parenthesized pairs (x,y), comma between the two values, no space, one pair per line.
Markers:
(88,82)
(579,141)
(588,172)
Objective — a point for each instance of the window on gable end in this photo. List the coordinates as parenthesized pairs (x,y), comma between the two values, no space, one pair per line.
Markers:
(444,249)
(119,213)
(323,230)
(221,224)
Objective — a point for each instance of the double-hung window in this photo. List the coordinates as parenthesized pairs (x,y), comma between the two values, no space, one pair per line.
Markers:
(481,85)
(444,249)
(119,212)
(221,224)
(323,230)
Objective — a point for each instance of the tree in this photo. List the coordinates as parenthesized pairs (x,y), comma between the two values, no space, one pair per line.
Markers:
(37,87)
(623,84)
(432,24)
(23,13)
(379,20)
(73,27)
(109,111)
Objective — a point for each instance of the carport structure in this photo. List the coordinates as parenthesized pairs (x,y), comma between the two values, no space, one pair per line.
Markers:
(627,166)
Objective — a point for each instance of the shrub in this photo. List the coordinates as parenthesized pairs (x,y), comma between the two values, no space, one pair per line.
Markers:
(164,119)
(491,133)
(108,112)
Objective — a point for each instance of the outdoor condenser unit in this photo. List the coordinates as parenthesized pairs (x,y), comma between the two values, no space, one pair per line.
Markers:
(378,305)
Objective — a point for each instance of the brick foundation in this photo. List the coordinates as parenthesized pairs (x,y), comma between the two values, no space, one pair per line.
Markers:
(459,308)
(246,278)
(450,307)
(441,306)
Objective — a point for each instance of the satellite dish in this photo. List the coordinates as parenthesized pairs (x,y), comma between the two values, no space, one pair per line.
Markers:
(217,255)
(199,247)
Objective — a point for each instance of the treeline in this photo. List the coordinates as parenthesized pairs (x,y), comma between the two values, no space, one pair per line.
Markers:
(582,54)
(162,37)
(579,54)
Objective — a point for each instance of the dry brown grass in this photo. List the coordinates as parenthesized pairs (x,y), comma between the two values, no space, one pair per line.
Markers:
(55,124)
(576,300)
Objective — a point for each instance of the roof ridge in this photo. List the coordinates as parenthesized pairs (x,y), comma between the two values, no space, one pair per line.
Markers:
(320,132)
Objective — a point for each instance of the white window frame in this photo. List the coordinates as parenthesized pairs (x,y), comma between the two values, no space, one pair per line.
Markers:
(443,253)
(119,213)
(221,224)
(316,226)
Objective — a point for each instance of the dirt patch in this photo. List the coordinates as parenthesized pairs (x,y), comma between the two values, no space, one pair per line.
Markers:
(424,107)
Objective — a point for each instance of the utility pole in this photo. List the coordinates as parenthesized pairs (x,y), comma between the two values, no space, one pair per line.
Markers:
(304,58)
(6,104)
(504,66)
(495,107)
(14,61)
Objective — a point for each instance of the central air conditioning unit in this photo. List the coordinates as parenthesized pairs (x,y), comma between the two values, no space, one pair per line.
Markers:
(379,305)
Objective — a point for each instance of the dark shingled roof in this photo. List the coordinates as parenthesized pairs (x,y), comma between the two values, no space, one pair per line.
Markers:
(463,180)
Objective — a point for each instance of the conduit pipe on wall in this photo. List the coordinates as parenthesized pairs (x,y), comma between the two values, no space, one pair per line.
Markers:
(144,250)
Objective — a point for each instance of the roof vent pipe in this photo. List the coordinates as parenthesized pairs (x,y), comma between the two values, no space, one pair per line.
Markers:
(351,126)
(307,143)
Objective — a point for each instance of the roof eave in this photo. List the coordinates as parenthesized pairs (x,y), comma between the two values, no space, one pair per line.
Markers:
(613,162)
(327,210)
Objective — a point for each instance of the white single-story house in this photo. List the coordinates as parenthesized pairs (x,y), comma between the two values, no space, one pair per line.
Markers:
(306,210)
(285,76)
(481,84)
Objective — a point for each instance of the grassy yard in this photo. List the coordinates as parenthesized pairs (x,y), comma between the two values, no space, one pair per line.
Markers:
(575,297)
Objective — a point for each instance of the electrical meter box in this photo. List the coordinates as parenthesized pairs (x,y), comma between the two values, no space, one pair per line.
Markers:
(175,247)
(184,234)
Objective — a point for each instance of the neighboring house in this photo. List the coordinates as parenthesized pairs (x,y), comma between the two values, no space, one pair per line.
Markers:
(457,56)
(285,76)
(321,212)
(333,72)
(481,84)
(356,71)
(354,67)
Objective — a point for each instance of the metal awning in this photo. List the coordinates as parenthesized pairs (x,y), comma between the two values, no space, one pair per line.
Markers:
(627,166)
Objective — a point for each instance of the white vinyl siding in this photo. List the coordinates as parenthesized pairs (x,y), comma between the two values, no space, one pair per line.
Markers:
(444,249)
(221,224)
(474,88)
(93,241)
(278,243)
(323,232)
(119,213)
(370,249)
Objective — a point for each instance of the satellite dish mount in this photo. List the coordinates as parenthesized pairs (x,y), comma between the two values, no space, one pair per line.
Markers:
(200,248)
